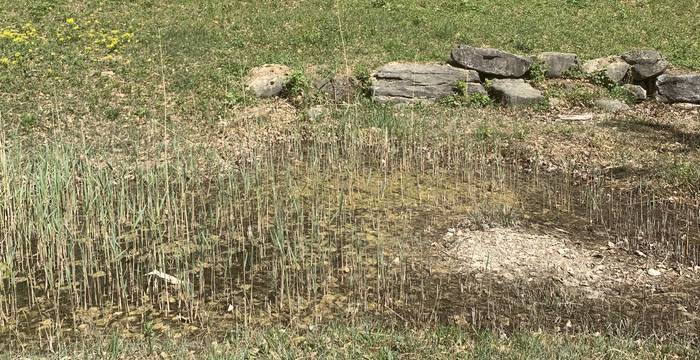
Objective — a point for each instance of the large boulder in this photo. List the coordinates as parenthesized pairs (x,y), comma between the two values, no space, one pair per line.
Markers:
(645,63)
(557,63)
(678,88)
(515,92)
(411,82)
(491,62)
(268,80)
(613,67)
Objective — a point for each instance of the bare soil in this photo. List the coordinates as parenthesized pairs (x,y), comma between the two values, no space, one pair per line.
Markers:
(592,277)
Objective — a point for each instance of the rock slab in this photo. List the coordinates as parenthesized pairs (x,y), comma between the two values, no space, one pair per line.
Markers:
(645,63)
(678,88)
(515,92)
(491,62)
(558,64)
(614,68)
(410,82)
(268,80)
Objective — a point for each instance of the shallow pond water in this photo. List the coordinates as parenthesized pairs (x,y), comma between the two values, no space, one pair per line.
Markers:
(303,241)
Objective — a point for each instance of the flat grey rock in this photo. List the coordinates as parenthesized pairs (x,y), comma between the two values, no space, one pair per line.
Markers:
(610,105)
(558,63)
(613,67)
(492,62)
(268,80)
(515,92)
(638,92)
(410,82)
(678,88)
(645,63)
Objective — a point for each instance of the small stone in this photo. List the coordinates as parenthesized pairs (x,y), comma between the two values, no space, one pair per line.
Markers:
(491,62)
(268,80)
(679,88)
(636,91)
(653,272)
(614,68)
(617,72)
(557,63)
(645,63)
(515,92)
(610,105)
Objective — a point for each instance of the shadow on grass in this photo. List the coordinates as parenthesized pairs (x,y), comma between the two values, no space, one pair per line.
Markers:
(661,132)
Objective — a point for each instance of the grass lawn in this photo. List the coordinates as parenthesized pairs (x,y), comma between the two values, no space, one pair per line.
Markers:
(114,58)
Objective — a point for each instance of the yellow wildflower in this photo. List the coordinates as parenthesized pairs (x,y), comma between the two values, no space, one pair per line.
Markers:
(30,30)
(70,21)
(4,61)
(113,43)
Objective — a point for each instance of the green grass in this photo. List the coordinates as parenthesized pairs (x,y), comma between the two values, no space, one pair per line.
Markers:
(371,341)
(200,49)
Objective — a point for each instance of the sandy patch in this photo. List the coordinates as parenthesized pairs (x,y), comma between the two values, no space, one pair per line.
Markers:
(513,253)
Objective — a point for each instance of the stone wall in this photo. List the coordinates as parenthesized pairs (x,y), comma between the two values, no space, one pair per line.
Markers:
(507,78)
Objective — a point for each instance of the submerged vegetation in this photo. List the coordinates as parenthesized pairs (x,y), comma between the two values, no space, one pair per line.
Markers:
(310,230)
